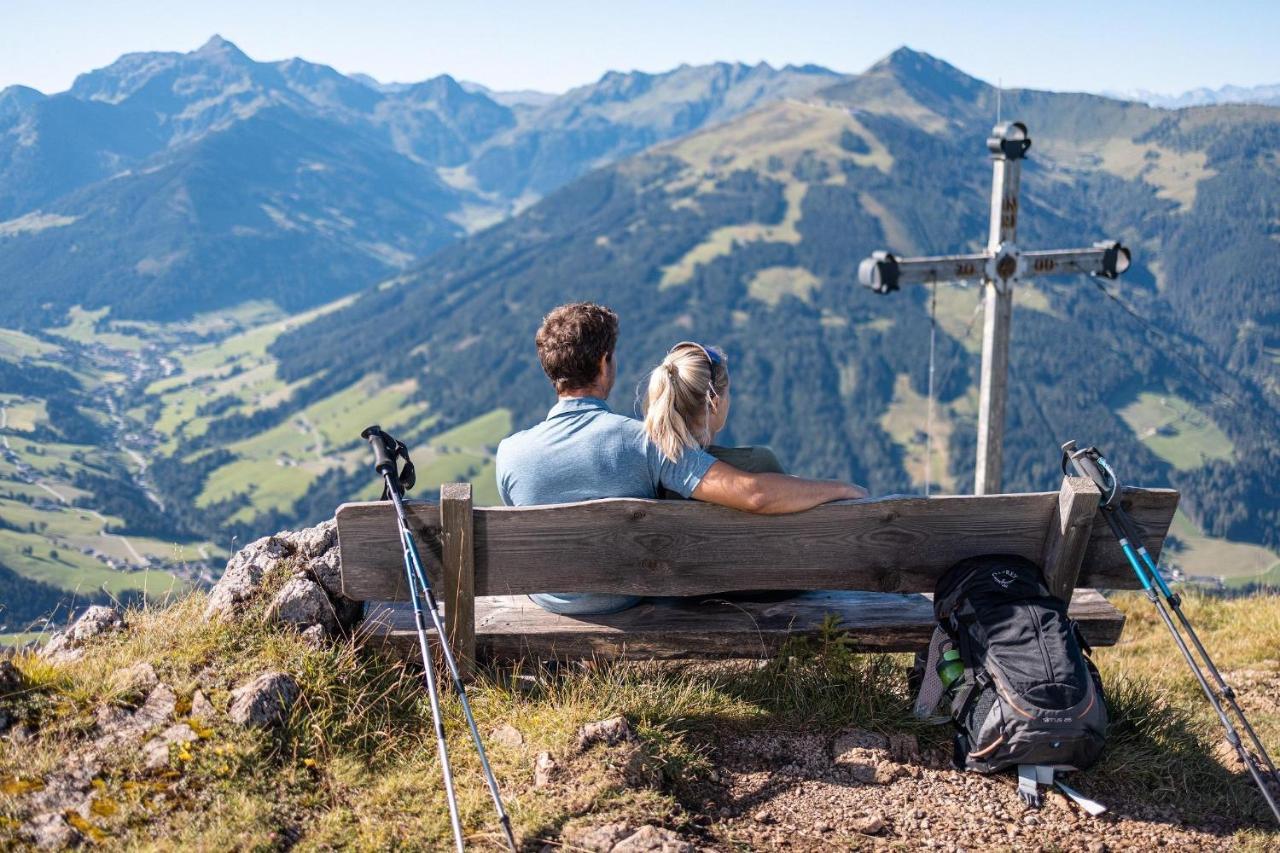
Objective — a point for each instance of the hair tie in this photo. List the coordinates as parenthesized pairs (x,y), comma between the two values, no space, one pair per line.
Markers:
(672,370)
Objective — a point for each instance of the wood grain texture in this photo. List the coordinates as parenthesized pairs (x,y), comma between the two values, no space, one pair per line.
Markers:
(1151,511)
(893,544)
(370,551)
(458,558)
(1068,534)
(512,627)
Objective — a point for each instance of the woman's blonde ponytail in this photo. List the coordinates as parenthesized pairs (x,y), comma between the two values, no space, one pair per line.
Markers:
(679,399)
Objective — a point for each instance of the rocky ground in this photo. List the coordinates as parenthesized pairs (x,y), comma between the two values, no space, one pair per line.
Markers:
(858,790)
(809,792)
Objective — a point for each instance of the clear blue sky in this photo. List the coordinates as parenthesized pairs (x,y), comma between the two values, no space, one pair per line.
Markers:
(552,45)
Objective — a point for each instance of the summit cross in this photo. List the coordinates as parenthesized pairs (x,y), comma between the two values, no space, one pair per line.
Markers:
(999,268)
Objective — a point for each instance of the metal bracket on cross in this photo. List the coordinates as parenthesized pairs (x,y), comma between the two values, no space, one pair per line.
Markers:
(999,268)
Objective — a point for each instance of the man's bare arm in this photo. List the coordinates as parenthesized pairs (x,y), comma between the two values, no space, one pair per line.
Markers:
(770,494)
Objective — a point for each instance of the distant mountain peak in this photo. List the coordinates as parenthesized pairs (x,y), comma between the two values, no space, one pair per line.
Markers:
(910,74)
(922,67)
(219,46)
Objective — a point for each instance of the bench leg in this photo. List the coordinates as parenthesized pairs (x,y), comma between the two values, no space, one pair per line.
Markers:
(1068,535)
(458,552)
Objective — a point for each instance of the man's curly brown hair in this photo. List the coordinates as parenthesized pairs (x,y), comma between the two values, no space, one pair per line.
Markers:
(571,342)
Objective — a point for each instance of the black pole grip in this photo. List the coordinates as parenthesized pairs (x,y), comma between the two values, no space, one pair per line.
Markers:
(384,461)
(1086,462)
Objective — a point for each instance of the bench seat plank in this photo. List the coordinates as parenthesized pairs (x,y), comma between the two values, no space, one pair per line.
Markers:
(512,627)
(894,544)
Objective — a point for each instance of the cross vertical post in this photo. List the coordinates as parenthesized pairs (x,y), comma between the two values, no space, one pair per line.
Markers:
(993,386)
(998,268)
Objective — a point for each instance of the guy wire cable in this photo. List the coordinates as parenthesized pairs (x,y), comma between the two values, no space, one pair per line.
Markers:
(1175,351)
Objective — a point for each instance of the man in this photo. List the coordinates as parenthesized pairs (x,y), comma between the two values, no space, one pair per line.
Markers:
(583,451)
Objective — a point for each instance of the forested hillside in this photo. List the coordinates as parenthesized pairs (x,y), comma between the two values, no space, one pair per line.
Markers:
(748,235)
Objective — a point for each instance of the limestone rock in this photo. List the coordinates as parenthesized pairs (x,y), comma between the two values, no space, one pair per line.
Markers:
(653,839)
(904,748)
(861,740)
(867,756)
(544,770)
(156,751)
(869,825)
(620,838)
(160,704)
(64,790)
(507,735)
(243,575)
(315,541)
(51,831)
(601,839)
(315,636)
(611,731)
(265,701)
(137,680)
(117,726)
(327,571)
(201,707)
(301,603)
(94,622)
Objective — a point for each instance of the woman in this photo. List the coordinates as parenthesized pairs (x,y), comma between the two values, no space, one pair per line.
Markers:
(688,404)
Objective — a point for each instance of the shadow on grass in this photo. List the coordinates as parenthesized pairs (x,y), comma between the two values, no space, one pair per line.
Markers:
(1161,753)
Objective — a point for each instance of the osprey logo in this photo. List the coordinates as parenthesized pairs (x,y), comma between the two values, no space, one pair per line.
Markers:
(1004,577)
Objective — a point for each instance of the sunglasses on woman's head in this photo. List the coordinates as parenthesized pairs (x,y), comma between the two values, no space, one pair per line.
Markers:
(713,355)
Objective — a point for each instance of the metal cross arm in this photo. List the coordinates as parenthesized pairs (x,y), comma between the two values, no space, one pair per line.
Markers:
(883,272)
(1000,267)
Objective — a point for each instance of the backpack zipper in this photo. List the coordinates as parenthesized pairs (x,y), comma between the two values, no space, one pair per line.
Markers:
(1044,652)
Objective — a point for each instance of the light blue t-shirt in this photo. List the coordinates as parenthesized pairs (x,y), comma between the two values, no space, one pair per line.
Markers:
(583,452)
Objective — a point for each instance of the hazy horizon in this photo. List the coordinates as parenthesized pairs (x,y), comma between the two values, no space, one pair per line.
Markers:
(505,47)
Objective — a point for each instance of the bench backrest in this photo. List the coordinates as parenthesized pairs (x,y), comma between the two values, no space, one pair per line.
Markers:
(644,547)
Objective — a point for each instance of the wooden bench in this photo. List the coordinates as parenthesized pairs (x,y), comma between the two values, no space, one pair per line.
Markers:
(871,561)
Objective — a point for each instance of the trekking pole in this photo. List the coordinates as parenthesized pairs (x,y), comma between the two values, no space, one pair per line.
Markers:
(1090,463)
(385,451)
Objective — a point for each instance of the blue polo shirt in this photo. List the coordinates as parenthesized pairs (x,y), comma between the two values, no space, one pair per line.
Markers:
(581,452)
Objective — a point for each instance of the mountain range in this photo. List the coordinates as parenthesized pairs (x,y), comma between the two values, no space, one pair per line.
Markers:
(748,233)
(1267,95)
(223,269)
(167,184)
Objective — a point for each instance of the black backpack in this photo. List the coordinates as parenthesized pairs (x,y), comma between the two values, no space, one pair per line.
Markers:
(1029,695)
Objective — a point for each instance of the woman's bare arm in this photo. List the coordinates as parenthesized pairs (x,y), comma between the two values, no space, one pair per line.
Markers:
(770,494)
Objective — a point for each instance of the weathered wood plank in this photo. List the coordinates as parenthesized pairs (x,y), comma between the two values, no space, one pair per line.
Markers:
(458,557)
(1105,565)
(512,627)
(894,544)
(1068,534)
(369,547)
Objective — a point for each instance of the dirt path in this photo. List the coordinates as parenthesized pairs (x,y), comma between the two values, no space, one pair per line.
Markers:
(804,792)
(141,560)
